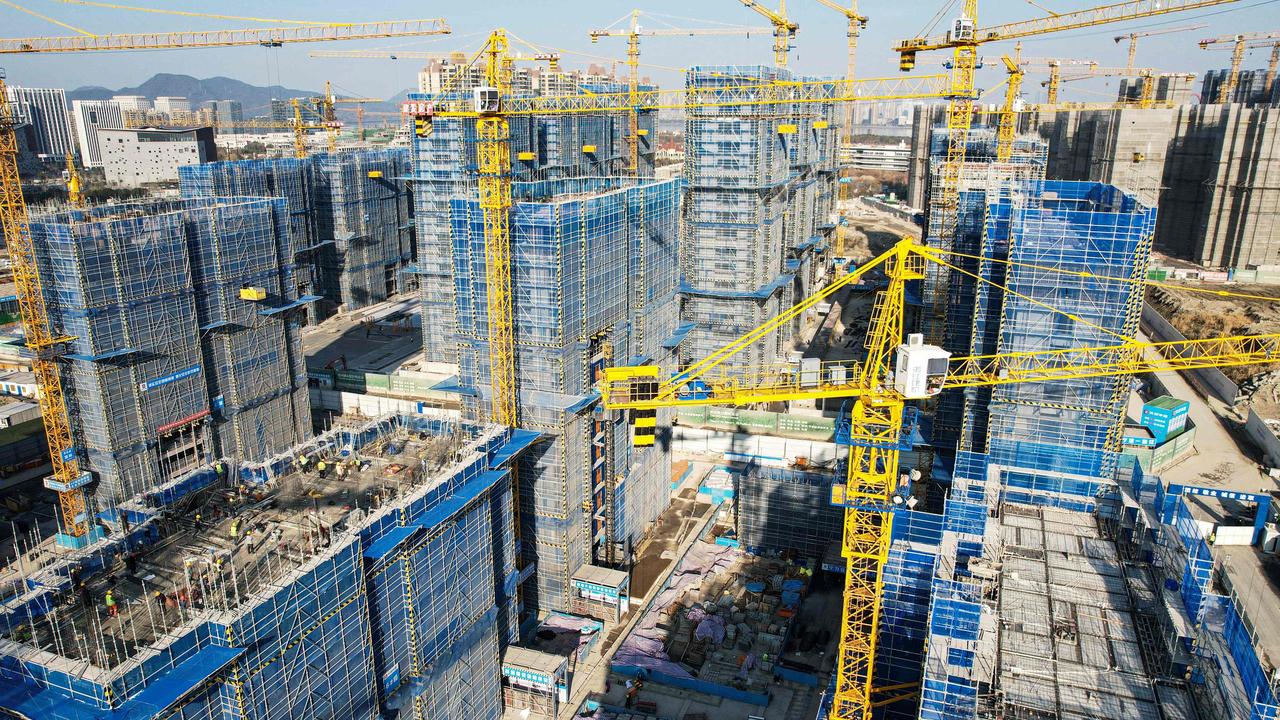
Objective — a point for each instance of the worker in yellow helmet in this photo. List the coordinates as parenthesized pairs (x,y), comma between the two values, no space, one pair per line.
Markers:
(112,610)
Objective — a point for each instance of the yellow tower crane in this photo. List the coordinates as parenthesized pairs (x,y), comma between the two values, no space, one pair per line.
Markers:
(1227,88)
(633,33)
(1147,76)
(75,196)
(857,22)
(327,108)
(1272,63)
(46,344)
(1133,38)
(898,370)
(491,106)
(784,30)
(964,38)
(1007,124)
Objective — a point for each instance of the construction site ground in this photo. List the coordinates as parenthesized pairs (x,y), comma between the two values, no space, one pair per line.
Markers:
(672,535)
(378,339)
(1198,314)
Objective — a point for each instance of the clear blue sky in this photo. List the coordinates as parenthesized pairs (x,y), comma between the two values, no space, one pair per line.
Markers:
(563,25)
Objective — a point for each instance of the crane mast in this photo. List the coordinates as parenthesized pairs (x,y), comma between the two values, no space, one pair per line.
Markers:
(45,344)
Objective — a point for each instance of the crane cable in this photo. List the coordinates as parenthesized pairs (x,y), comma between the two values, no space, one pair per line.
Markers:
(1109,278)
(1070,316)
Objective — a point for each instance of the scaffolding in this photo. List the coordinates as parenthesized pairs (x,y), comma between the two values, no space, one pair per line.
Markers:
(759,200)
(288,178)
(169,366)
(972,307)
(398,598)
(1064,433)
(786,511)
(549,147)
(593,281)
(362,207)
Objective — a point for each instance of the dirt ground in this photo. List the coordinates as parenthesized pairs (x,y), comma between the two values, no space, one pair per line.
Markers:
(1199,315)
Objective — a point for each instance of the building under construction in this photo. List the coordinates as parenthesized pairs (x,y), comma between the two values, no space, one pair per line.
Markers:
(350,229)
(186,346)
(594,275)
(1206,166)
(369,570)
(758,213)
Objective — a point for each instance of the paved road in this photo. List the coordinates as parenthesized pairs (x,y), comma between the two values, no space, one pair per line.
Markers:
(1222,460)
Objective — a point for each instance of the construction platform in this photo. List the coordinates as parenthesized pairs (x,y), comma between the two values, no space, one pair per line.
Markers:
(365,568)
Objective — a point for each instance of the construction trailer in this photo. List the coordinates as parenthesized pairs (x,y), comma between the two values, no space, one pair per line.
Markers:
(534,683)
(758,214)
(170,365)
(369,570)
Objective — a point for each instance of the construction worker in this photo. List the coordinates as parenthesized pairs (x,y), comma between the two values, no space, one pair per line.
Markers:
(158,597)
(86,597)
(321,468)
(112,610)
(235,528)
(199,520)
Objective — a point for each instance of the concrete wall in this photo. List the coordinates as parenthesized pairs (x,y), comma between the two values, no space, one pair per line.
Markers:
(1209,381)
(1262,436)
(1214,168)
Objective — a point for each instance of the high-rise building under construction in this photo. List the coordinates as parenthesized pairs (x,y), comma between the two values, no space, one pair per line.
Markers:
(184,345)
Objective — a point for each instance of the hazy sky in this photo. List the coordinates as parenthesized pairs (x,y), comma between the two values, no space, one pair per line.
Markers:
(563,25)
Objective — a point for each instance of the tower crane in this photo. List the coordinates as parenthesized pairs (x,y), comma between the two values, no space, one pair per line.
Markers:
(46,344)
(75,196)
(897,372)
(784,30)
(552,59)
(963,39)
(266,37)
(857,22)
(491,106)
(1227,88)
(1146,98)
(327,107)
(1133,38)
(1272,63)
(632,33)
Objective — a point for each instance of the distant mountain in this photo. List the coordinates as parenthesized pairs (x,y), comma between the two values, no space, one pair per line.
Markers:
(256,100)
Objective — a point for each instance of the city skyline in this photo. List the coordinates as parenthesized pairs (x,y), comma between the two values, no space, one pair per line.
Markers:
(819,46)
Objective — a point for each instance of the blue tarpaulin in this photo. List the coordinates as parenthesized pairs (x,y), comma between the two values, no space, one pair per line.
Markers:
(520,440)
(170,689)
(678,336)
(387,544)
(465,494)
(295,304)
(162,694)
(31,703)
